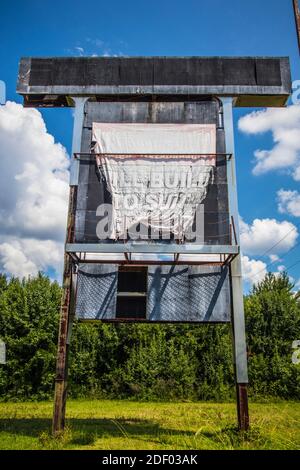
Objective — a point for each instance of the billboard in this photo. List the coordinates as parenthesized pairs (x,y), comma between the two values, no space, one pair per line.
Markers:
(176,150)
(153,173)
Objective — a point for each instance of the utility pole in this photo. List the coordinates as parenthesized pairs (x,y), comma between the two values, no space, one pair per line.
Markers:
(297,19)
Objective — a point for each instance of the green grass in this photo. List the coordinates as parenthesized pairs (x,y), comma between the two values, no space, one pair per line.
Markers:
(109,425)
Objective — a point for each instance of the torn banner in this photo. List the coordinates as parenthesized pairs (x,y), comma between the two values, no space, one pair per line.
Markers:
(157,174)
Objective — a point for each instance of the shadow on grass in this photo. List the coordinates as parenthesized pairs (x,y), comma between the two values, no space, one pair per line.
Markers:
(86,431)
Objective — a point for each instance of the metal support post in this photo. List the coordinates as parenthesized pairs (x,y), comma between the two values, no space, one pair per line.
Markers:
(238,317)
(66,315)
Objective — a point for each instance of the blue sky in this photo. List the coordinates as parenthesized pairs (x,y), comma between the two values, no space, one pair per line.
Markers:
(234,27)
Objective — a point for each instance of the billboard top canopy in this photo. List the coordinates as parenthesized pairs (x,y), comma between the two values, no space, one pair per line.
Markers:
(254,81)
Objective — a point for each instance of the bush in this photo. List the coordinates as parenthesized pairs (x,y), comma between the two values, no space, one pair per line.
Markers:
(146,361)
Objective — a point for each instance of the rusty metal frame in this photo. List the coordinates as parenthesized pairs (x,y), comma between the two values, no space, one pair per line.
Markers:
(152,248)
(69,284)
(128,262)
(78,253)
(64,324)
(79,155)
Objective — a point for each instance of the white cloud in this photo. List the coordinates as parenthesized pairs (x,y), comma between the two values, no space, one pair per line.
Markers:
(34,192)
(108,53)
(289,202)
(253,270)
(284,123)
(80,50)
(258,238)
(95,47)
(25,257)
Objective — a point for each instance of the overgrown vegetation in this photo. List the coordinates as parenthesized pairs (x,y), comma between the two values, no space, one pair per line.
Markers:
(147,362)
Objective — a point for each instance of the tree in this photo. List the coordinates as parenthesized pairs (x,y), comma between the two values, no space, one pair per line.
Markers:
(146,361)
(29,312)
(272,324)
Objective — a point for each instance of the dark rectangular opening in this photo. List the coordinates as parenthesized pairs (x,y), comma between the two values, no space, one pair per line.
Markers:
(132,279)
(132,293)
(131,308)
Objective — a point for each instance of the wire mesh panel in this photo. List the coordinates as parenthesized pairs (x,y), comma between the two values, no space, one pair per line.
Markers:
(168,293)
(209,294)
(186,293)
(173,294)
(96,291)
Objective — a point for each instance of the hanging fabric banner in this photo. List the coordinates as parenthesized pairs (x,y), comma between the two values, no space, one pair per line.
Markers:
(156,174)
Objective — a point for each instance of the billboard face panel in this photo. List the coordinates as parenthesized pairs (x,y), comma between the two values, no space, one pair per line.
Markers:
(110,292)
(94,191)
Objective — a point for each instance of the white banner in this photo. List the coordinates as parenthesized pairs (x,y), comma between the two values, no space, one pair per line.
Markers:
(149,182)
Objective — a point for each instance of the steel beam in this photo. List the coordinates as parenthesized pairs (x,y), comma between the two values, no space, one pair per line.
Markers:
(77,134)
(256,81)
(238,316)
(154,262)
(158,248)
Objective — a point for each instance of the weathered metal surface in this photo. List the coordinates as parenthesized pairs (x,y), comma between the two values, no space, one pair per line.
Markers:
(92,192)
(77,133)
(197,294)
(254,81)
(67,305)
(237,299)
(62,353)
(240,353)
(162,248)
(242,407)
